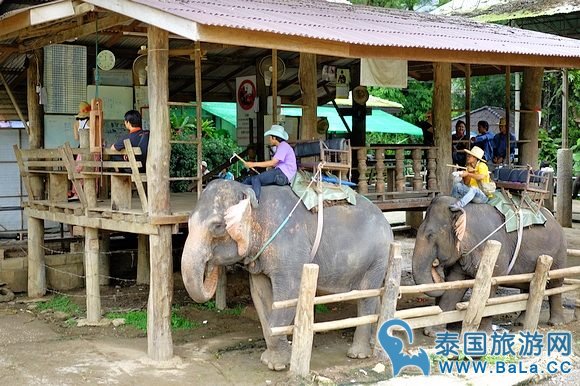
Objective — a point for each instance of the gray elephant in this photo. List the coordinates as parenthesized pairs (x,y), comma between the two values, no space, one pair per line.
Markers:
(444,236)
(228,226)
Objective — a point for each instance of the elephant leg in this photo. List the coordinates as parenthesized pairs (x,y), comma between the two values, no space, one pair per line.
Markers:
(556,310)
(522,316)
(364,335)
(448,300)
(277,354)
(361,342)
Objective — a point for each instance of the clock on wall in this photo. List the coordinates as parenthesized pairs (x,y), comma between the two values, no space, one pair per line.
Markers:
(106,60)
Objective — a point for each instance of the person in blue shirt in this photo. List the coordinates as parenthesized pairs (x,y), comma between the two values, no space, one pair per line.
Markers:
(500,144)
(484,140)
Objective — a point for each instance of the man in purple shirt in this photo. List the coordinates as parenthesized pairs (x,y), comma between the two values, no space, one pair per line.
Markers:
(283,161)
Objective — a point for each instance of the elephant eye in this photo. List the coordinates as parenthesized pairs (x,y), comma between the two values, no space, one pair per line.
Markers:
(217,228)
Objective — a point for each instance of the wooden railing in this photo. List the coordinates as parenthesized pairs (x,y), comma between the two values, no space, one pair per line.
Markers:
(392,175)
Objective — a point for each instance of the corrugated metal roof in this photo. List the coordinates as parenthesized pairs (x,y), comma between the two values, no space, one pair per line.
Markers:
(501,10)
(366,26)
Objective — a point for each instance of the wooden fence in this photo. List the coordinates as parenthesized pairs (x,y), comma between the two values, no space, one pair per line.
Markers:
(471,313)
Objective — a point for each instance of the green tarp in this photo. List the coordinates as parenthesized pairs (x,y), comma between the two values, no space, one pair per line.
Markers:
(378,122)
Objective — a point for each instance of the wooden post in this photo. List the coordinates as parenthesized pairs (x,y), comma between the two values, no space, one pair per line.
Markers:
(303,333)
(390,295)
(564,188)
(565,89)
(274,86)
(481,287)
(143,270)
(537,288)
(417,178)
(361,156)
(220,293)
(432,169)
(92,275)
(308,87)
(399,170)
(442,121)
(105,258)
(159,339)
(380,168)
(531,100)
(36,261)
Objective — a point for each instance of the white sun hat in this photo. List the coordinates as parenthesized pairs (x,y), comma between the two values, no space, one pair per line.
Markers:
(278,131)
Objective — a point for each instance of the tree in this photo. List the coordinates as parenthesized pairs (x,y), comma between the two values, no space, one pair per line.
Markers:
(416,99)
(399,4)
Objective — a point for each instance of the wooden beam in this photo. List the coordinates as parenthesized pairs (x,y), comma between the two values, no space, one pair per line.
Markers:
(94,222)
(77,32)
(442,122)
(159,341)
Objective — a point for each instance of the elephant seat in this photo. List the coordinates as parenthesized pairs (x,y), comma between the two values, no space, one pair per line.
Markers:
(335,155)
(523,181)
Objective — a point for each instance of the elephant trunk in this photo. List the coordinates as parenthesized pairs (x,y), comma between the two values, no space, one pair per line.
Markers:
(199,277)
(426,268)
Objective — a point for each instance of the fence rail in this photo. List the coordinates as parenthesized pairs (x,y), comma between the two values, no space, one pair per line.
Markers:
(470,313)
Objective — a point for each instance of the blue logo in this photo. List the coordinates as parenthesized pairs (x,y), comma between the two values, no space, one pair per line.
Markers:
(393,346)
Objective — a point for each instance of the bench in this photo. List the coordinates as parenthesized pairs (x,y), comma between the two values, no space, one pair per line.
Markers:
(335,155)
(523,180)
(46,164)
(121,166)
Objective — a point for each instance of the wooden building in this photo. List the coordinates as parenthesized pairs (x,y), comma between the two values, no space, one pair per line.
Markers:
(194,52)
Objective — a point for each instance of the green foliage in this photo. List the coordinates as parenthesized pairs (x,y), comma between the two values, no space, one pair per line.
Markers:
(416,99)
(321,308)
(388,138)
(60,303)
(138,319)
(399,4)
(576,156)
(549,148)
(217,147)
(485,91)
(211,306)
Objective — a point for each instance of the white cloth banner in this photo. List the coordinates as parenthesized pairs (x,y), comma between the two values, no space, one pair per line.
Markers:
(384,73)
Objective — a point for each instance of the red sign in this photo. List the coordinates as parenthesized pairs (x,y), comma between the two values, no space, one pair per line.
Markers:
(247,94)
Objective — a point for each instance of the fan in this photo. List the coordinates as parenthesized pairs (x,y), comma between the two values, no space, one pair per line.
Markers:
(322,125)
(140,69)
(265,68)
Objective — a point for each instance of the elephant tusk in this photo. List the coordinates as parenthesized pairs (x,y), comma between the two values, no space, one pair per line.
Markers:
(436,263)
(436,277)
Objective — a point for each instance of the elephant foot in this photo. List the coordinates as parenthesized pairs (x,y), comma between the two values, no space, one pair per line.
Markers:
(359,351)
(432,331)
(276,360)
(556,320)
(520,319)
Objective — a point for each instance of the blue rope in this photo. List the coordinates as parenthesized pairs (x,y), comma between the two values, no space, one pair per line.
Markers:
(269,241)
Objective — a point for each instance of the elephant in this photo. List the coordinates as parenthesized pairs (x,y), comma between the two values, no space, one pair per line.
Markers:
(444,237)
(228,226)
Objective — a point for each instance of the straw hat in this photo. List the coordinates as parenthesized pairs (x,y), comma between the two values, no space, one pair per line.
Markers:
(277,131)
(477,152)
(84,110)
(501,121)
(203,163)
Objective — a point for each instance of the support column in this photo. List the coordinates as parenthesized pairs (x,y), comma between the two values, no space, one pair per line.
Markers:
(159,339)
(564,188)
(308,86)
(442,123)
(143,271)
(531,101)
(36,261)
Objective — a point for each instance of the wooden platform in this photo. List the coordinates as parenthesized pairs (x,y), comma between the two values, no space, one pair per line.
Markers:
(103,217)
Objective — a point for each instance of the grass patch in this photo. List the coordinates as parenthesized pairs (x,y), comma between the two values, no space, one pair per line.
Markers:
(321,308)
(138,319)
(60,303)
(211,306)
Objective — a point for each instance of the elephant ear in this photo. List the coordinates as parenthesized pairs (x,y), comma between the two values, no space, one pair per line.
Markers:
(238,224)
(459,226)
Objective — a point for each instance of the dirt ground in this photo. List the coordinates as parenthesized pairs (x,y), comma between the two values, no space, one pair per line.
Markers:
(42,348)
